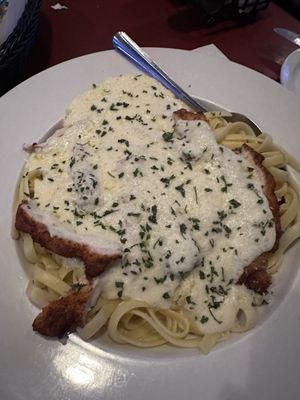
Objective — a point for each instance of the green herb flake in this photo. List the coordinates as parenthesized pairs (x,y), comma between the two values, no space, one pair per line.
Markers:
(180,189)
(168,136)
(204,319)
(183,229)
(234,203)
(153,217)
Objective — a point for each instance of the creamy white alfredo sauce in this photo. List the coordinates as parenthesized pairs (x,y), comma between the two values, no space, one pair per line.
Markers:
(188,213)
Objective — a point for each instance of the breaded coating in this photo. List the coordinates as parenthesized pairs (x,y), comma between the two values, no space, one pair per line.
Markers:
(62,315)
(95,262)
(256,276)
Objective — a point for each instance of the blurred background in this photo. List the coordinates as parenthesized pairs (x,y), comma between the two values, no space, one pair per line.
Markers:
(35,34)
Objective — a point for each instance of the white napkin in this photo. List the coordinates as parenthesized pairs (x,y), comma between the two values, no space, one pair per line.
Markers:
(210,50)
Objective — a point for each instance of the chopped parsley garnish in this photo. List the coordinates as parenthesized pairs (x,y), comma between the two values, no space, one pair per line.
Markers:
(204,319)
(132,214)
(226,184)
(234,203)
(201,274)
(183,229)
(181,189)
(119,285)
(160,280)
(153,217)
(167,180)
(124,141)
(189,300)
(168,136)
(137,172)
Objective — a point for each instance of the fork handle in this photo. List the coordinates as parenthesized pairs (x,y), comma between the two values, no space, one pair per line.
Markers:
(127,46)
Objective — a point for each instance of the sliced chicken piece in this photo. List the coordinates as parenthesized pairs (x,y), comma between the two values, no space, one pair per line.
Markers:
(94,250)
(268,185)
(255,275)
(68,312)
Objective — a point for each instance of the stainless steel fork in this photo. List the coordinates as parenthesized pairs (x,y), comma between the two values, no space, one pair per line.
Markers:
(130,49)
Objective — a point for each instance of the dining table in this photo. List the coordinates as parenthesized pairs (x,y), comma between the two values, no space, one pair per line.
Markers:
(76,27)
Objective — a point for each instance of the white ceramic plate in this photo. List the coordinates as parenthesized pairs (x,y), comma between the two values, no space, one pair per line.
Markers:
(290,72)
(262,364)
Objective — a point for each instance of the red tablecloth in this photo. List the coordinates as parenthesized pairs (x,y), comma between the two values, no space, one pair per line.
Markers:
(88,26)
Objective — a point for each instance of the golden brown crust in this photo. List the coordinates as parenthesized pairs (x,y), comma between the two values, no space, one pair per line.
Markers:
(62,315)
(255,275)
(268,189)
(94,262)
(189,115)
